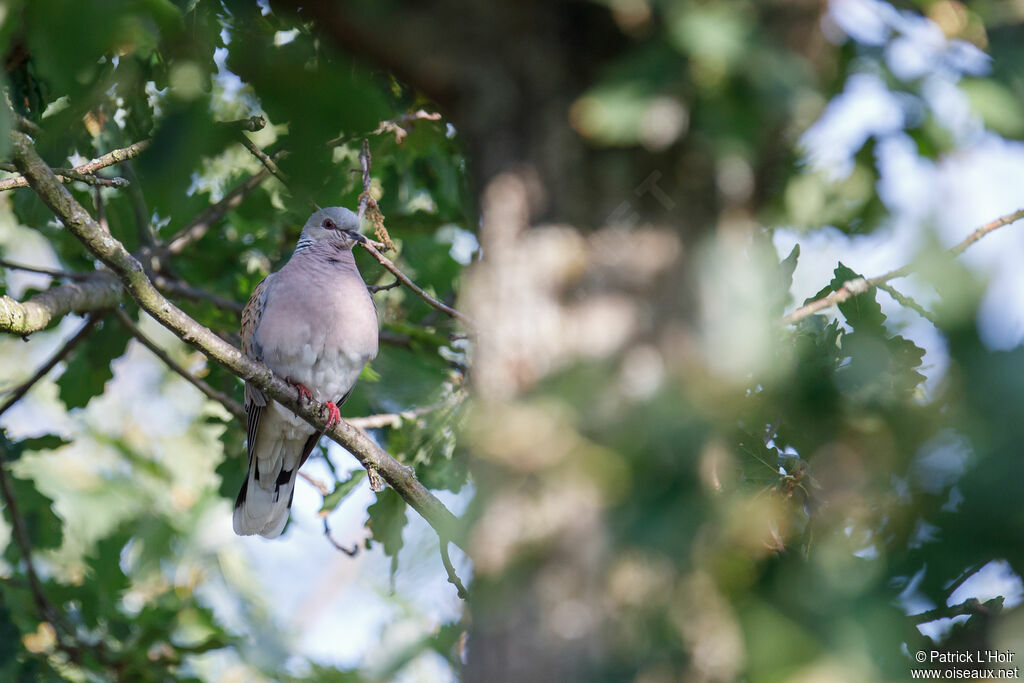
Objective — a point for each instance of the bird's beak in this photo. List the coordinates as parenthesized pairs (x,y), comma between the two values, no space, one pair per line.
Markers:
(356,235)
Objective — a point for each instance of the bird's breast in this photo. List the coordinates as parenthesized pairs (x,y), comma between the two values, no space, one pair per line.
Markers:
(319,336)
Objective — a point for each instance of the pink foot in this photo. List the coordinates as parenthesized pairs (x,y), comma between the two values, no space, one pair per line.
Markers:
(304,393)
(333,414)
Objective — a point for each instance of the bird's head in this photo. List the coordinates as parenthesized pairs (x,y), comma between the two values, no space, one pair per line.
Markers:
(336,225)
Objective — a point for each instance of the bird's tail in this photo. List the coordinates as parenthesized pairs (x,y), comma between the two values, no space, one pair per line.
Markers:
(263,503)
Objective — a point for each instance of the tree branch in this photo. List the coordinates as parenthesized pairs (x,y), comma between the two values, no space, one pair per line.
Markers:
(908,302)
(383,288)
(52,272)
(199,225)
(252,124)
(99,291)
(364,166)
(351,552)
(65,634)
(20,534)
(366,201)
(387,263)
(19,391)
(89,167)
(395,419)
(449,568)
(68,174)
(166,284)
(264,158)
(316,483)
(862,285)
(113,254)
(232,406)
(399,126)
(969,606)
(147,237)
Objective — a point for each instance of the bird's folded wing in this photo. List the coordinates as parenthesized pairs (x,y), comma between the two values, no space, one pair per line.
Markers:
(255,401)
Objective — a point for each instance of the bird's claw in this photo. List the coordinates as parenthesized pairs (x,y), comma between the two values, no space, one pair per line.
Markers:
(305,395)
(333,414)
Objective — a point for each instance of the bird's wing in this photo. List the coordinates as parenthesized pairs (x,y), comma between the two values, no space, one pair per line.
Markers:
(255,401)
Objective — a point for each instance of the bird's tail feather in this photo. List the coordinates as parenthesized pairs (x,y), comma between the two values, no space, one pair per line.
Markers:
(266,496)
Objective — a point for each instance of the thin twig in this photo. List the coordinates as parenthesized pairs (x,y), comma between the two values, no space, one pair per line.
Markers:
(147,238)
(382,288)
(264,158)
(20,533)
(395,419)
(23,124)
(364,164)
(370,246)
(64,632)
(232,406)
(969,606)
(171,285)
(101,210)
(453,578)
(317,484)
(19,391)
(862,285)
(94,180)
(967,573)
(252,124)
(386,262)
(908,302)
(89,167)
(350,552)
(198,226)
(52,272)
(68,174)
(396,125)
(368,203)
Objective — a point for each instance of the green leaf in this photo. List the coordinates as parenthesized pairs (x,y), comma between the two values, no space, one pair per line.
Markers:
(107,581)
(784,281)
(324,674)
(368,374)
(996,104)
(862,311)
(44,528)
(386,521)
(88,368)
(50,442)
(10,636)
(341,489)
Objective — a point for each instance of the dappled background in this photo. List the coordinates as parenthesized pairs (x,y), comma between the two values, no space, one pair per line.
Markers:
(659,478)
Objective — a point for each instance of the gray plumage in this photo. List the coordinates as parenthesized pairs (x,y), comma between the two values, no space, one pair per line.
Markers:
(314,323)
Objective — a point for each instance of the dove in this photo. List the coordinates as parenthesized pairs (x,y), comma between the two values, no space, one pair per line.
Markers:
(314,323)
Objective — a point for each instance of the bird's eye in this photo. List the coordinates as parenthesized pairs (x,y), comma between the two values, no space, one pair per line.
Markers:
(329,224)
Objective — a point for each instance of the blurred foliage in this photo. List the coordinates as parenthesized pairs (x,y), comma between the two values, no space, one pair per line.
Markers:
(709,495)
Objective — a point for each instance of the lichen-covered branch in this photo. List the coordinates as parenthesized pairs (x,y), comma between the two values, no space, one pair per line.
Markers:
(101,290)
(88,168)
(135,281)
(69,174)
